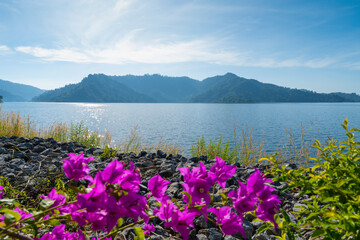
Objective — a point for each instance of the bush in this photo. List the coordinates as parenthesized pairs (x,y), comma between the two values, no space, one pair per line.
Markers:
(332,185)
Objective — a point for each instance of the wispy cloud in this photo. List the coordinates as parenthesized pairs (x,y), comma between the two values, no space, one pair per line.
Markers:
(128,51)
(4,50)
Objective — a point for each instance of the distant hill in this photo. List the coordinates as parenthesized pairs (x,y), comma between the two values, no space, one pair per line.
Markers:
(16,92)
(231,88)
(94,88)
(163,88)
(353,97)
(228,88)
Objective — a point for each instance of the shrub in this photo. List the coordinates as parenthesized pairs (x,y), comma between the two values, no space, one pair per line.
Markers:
(332,185)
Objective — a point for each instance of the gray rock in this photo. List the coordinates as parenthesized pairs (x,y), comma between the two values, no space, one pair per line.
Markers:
(228,237)
(3,150)
(46,152)
(298,207)
(249,231)
(98,152)
(38,149)
(174,189)
(52,168)
(211,233)
(261,236)
(201,237)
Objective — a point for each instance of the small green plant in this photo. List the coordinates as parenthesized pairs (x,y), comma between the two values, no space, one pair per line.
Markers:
(212,149)
(109,152)
(332,186)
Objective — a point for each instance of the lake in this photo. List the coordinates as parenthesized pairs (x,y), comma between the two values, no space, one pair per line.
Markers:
(185,123)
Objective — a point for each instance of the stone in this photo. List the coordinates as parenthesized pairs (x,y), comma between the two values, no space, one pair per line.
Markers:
(38,149)
(211,233)
(98,152)
(201,237)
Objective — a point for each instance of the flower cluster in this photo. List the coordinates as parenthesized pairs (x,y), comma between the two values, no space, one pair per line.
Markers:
(114,194)
(197,185)
(256,195)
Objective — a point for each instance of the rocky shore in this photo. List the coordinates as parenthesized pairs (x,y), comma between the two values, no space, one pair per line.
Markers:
(26,162)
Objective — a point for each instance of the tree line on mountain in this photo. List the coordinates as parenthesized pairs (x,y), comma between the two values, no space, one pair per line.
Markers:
(228,88)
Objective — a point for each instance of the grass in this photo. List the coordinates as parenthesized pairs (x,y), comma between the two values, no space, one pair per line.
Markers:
(248,151)
(13,124)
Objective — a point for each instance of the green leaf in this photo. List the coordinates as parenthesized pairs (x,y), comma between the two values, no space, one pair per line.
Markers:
(12,213)
(9,219)
(120,222)
(224,197)
(54,222)
(189,197)
(263,228)
(46,203)
(140,235)
(318,233)
(285,215)
(7,201)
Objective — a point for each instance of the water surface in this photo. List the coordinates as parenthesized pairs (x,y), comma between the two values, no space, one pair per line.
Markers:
(185,123)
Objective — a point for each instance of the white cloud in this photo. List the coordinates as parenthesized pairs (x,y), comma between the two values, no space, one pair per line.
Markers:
(4,50)
(129,51)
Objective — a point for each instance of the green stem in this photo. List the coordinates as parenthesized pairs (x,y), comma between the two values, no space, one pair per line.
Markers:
(35,215)
(122,228)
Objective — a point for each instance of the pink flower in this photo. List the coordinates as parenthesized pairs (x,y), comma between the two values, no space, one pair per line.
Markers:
(222,171)
(157,185)
(256,182)
(230,222)
(181,222)
(197,182)
(75,167)
(149,228)
(242,201)
(53,195)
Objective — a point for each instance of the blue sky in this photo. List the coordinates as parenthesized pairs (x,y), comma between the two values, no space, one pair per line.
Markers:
(301,44)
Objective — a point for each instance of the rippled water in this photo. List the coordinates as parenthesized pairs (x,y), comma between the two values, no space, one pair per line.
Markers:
(185,123)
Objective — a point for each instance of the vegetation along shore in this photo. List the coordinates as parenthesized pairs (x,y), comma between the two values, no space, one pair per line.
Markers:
(316,200)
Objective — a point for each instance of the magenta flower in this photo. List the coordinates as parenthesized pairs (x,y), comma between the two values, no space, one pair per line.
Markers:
(197,182)
(133,206)
(269,205)
(22,213)
(230,222)
(75,167)
(1,191)
(157,185)
(256,182)
(53,195)
(181,222)
(114,173)
(149,228)
(59,233)
(242,201)
(222,171)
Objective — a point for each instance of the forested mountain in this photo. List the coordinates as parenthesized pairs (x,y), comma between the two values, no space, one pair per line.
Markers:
(231,88)
(94,88)
(163,88)
(227,88)
(16,92)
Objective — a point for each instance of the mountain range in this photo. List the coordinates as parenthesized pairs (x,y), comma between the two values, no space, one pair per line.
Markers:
(16,92)
(228,88)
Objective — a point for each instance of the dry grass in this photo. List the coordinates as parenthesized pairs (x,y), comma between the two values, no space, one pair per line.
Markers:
(134,144)
(248,151)
(13,124)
